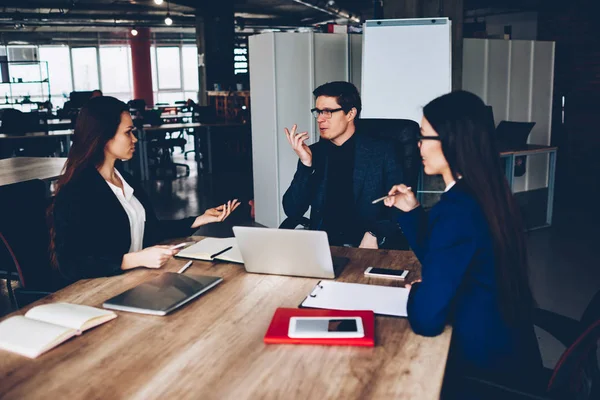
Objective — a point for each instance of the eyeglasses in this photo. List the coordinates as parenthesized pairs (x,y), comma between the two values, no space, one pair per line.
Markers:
(325,113)
(420,138)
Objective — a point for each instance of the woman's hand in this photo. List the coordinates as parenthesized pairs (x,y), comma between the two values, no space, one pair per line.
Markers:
(401,197)
(150,257)
(217,214)
(409,285)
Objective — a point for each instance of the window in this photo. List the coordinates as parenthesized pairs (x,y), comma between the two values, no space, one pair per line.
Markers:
(115,69)
(170,97)
(59,69)
(85,68)
(190,68)
(168,68)
(240,60)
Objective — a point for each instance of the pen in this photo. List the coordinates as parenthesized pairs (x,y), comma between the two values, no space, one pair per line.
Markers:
(186,266)
(221,252)
(179,245)
(384,197)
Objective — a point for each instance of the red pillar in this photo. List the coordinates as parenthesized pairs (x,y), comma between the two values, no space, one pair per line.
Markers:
(142,69)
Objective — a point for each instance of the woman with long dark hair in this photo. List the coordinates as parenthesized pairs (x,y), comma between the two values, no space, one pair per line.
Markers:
(471,246)
(102,220)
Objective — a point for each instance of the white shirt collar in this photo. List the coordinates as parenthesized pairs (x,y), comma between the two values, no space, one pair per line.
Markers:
(127,191)
(450,186)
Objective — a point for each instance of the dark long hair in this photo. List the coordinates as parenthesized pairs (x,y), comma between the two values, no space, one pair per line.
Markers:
(460,119)
(96,124)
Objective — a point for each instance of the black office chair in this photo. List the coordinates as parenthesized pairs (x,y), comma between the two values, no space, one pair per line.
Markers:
(577,373)
(403,134)
(24,241)
(17,123)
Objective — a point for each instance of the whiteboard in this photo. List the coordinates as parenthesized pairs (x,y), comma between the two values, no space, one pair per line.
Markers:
(406,64)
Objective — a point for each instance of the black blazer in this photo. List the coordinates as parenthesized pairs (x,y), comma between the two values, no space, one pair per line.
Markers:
(376,170)
(92,229)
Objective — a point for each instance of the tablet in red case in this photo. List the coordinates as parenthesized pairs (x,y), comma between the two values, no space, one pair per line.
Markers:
(278,330)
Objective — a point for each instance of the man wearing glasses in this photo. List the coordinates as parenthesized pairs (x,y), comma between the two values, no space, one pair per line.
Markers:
(341,174)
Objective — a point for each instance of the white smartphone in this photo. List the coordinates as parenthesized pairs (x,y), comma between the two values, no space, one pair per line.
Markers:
(386,273)
(326,327)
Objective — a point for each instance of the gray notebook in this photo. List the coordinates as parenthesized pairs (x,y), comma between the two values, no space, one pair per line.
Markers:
(163,294)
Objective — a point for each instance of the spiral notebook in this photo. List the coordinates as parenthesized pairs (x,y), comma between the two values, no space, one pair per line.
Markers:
(383,300)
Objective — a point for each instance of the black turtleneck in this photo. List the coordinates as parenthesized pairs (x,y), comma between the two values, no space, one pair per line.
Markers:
(339,218)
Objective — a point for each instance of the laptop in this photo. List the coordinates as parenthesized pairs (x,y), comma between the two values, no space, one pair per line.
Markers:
(163,294)
(285,252)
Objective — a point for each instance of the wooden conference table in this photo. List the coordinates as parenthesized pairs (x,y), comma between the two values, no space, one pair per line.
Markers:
(213,347)
(21,169)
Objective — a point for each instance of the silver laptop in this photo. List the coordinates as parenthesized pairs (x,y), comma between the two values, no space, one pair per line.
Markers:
(285,252)
(163,294)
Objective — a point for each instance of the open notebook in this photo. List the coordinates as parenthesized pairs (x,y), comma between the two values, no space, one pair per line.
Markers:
(210,249)
(46,326)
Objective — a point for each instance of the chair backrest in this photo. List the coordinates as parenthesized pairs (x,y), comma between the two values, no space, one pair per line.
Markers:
(576,375)
(26,234)
(592,311)
(402,132)
(205,114)
(12,121)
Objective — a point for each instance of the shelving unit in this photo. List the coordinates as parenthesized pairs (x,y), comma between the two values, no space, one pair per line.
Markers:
(21,87)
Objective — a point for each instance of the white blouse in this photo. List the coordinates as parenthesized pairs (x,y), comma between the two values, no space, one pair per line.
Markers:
(135,212)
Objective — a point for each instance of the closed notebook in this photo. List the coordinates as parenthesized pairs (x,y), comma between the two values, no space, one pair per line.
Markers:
(210,249)
(383,300)
(46,326)
(278,330)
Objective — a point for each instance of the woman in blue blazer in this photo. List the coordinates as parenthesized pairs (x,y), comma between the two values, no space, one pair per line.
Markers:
(471,247)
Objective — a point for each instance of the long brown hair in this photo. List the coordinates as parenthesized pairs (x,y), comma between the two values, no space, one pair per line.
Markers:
(460,119)
(96,124)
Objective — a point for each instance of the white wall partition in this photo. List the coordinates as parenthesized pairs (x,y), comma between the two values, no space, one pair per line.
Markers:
(284,70)
(516,78)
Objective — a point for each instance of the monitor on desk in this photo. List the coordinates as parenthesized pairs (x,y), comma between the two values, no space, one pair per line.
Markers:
(511,135)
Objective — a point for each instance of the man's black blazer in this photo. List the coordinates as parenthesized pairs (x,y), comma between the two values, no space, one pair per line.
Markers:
(376,170)
(92,229)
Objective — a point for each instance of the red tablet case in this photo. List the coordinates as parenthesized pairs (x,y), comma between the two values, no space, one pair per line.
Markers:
(278,330)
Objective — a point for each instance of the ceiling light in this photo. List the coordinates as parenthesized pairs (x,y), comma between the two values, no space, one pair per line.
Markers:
(158,2)
(168,20)
(134,31)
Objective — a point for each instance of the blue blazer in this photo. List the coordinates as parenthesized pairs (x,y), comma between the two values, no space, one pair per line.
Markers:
(459,286)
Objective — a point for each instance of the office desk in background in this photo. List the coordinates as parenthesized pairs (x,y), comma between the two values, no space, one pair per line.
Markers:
(8,141)
(213,347)
(202,133)
(531,149)
(21,169)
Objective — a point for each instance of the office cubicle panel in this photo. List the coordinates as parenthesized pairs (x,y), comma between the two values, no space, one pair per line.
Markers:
(516,78)
(294,57)
(355,42)
(264,143)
